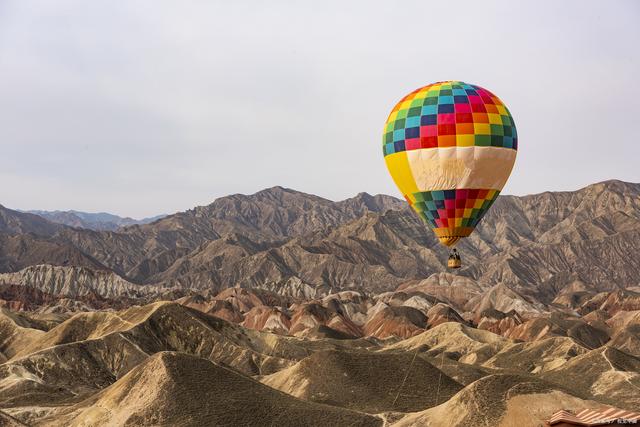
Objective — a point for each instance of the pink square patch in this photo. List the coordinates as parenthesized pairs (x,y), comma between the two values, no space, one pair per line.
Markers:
(462,108)
(412,144)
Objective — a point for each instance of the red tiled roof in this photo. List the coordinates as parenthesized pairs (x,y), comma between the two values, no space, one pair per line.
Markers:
(591,417)
(564,416)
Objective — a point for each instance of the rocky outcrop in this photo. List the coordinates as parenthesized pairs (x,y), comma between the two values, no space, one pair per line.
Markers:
(497,321)
(75,282)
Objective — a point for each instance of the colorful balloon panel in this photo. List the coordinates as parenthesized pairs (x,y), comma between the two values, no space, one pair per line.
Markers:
(450,148)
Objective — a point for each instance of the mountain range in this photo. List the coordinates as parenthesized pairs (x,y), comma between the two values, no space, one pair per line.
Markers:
(291,242)
(333,312)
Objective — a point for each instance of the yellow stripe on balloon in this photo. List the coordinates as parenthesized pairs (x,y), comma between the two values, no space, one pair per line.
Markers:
(402,176)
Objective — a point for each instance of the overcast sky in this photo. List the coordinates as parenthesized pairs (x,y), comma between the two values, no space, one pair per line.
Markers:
(146,107)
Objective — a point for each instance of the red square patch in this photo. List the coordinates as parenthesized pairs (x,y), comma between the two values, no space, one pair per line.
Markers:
(428,141)
(449,129)
(478,108)
(464,118)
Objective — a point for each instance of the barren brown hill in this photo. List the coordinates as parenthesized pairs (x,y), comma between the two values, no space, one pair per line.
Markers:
(621,300)
(560,324)
(167,326)
(442,313)
(90,351)
(24,250)
(16,332)
(605,374)
(7,420)
(272,319)
(500,297)
(181,390)
(622,319)
(456,341)
(498,322)
(392,321)
(627,339)
(366,381)
(451,288)
(463,373)
(537,356)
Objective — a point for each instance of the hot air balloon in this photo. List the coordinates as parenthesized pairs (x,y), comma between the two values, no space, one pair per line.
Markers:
(450,147)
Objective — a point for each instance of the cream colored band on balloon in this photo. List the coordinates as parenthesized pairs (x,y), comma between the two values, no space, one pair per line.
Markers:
(461,167)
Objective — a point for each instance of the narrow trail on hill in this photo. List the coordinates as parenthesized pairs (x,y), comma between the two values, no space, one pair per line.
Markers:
(441,366)
(415,354)
(625,375)
(440,378)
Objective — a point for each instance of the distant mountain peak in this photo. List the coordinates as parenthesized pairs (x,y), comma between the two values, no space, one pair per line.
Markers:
(99,221)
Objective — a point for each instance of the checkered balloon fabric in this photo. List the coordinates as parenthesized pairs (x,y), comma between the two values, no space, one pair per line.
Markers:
(450,147)
(447,115)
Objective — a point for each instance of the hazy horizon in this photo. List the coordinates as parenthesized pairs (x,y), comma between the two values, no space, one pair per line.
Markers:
(161,214)
(144,108)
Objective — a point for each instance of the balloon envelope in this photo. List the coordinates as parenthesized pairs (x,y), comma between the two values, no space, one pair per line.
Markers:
(450,147)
